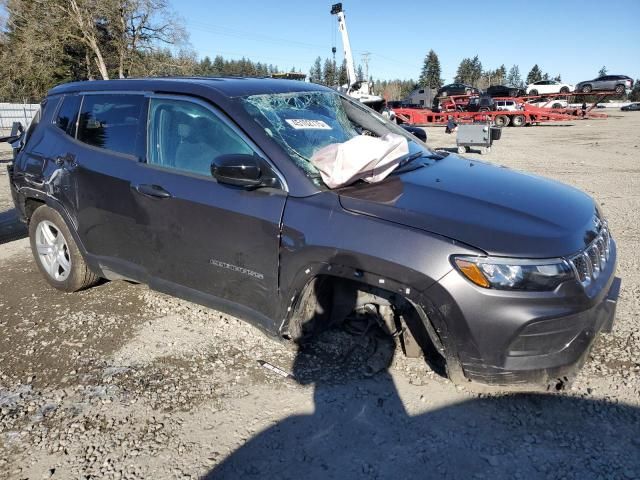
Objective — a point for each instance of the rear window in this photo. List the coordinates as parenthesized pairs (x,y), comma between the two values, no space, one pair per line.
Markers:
(67,116)
(111,122)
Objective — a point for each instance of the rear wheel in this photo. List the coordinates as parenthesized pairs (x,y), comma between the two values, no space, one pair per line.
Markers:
(501,121)
(620,89)
(56,253)
(517,120)
(564,90)
(586,89)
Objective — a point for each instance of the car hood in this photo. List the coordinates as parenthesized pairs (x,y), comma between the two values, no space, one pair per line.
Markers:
(492,208)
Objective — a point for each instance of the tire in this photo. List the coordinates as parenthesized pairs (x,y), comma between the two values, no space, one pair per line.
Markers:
(56,253)
(533,92)
(501,121)
(556,105)
(517,121)
(462,150)
(564,90)
(620,89)
(586,89)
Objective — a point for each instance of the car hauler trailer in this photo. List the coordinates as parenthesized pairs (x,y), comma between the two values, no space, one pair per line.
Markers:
(528,115)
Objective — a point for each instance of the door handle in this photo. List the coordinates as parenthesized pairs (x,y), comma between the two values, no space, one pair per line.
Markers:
(151,190)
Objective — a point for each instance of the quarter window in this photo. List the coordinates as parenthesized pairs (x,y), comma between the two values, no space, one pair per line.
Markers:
(186,136)
(111,122)
(68,115)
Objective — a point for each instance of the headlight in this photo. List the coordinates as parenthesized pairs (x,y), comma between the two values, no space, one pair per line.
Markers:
(514,273)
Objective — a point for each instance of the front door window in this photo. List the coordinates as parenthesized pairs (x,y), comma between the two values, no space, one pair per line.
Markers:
(187,136)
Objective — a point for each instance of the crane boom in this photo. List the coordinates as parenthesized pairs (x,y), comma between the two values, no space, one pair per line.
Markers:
(358,89)
(348,56)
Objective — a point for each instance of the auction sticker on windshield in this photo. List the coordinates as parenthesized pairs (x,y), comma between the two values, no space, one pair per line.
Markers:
(303,124)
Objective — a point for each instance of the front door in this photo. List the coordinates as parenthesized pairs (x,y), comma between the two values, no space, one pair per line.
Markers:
(215,239)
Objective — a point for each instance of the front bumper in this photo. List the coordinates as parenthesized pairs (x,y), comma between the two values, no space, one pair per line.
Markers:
(510,338)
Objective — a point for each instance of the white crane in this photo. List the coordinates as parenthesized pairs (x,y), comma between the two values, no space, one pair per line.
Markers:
(358,89)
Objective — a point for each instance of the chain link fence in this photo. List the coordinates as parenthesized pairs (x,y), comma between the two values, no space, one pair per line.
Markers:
(16,112)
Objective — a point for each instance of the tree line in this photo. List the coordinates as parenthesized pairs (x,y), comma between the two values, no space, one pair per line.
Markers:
(47,42)
(471,72)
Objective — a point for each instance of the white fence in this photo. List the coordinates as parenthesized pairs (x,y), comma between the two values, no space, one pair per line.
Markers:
(16,112)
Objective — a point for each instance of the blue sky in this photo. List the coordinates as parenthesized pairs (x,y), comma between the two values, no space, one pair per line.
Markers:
(571,37)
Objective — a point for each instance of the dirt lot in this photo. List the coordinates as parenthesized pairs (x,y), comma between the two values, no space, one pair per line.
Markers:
(122,382)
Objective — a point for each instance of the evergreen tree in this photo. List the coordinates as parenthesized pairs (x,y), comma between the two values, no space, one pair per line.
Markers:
(329,73)
(558,78)
(430,75)
(535,75)
(499,75)
(343,77)
(205,67)
(359,73)
(634,96)
(315,74)
(469,71)
(218,65)
(476,70)
(513,78)
(602,72)
(463,74)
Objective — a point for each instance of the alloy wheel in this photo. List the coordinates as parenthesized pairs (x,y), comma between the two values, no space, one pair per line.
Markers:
(53,251)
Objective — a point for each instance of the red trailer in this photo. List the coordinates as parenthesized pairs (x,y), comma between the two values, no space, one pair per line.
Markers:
(528,114)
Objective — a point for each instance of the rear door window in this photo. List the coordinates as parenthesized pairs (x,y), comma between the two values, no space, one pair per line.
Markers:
(111,121)
(67,116)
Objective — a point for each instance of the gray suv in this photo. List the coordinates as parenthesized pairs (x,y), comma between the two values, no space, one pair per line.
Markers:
(619,83)
(203,188)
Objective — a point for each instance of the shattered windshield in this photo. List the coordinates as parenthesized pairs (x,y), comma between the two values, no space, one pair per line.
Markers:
(305,122)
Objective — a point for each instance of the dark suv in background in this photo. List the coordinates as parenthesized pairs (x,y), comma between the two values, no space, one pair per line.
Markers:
(619,83)
(204,189)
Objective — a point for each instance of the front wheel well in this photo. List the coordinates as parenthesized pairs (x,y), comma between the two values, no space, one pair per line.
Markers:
(326,301)
(30,206)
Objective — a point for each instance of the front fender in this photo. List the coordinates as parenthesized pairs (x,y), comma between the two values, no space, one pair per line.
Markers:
(319,237)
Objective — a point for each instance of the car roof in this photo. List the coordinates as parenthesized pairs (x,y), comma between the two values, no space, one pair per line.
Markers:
(222,86)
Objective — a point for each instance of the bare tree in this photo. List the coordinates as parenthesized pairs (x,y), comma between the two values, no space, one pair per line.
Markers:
(142,27)
(85,16)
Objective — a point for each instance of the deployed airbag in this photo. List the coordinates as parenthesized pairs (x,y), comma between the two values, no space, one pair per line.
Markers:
(361,158)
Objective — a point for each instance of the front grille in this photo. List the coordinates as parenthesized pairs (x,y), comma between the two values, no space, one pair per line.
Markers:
(588,264)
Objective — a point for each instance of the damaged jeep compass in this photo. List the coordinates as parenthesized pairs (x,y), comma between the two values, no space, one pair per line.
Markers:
(285,203)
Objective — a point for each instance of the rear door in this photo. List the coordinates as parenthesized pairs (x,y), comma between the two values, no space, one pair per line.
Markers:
(219,240)
(107,153)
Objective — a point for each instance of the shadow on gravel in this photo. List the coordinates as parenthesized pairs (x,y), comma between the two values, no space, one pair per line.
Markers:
(11,228)
(361,429)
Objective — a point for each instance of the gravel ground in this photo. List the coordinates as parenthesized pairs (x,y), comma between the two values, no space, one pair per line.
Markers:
(122,382)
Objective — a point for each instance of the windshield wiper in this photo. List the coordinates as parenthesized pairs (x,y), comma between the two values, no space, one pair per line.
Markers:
(410,158)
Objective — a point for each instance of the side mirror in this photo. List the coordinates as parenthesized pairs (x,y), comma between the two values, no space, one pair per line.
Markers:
(416,132)
(238,169)
(17,130)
